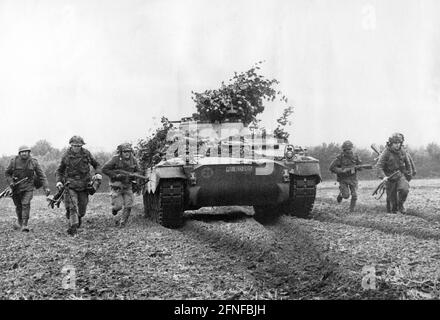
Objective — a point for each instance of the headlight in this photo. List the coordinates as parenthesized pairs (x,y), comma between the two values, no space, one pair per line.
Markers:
(286,176)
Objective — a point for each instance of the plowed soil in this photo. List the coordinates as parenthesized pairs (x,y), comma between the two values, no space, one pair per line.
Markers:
(223,253)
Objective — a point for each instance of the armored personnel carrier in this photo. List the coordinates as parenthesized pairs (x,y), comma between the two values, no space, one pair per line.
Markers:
(225,164)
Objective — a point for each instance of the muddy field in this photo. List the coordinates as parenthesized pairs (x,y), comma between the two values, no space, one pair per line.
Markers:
(223,253)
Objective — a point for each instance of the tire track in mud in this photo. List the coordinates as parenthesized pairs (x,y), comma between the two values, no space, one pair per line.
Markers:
(282,256)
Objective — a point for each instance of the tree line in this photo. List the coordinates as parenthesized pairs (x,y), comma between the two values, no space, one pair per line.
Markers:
(427,160)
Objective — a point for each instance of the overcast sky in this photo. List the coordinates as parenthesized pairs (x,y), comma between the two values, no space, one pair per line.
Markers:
(108,70)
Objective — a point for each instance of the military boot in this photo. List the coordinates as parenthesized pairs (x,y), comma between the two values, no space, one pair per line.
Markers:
(73,229)
(402,208)
(18,224)
(24,226)
(352,204)
(67,214)
(339,198)
(402,199)
(388,206)
(125,216)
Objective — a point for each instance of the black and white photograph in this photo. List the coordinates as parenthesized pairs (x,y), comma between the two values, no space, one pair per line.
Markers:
(230,152)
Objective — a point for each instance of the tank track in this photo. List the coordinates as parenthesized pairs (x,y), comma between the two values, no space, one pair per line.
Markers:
(302,196)
(166,206)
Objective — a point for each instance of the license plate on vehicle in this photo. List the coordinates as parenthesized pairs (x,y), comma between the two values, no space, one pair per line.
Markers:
(243,169)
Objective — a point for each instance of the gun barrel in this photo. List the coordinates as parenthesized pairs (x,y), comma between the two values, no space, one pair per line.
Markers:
(375,149)
(132,174)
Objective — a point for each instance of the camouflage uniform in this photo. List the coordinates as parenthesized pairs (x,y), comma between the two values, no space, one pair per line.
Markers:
(121,185)
(22,194)
(74,170)
(389,162)
(343,167)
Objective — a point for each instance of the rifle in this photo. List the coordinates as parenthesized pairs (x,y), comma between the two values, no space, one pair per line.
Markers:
(380,190)
(132,175)
(358,167)
(373,146)
(137,187)
(7,192)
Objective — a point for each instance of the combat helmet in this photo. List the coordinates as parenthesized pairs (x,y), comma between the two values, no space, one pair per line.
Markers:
(125,147)
(24,148)
(347,145)
(398,134)
(77,140)
(395,138)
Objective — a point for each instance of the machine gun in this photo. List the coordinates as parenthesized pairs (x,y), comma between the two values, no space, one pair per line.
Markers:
(380,190)
(58,197)
(7,192)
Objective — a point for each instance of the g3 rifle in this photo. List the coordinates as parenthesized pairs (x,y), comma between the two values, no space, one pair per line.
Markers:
(132,175)
(7,192)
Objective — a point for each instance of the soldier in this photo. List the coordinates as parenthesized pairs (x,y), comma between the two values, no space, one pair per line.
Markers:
(21,167)
(409,177)
(120,183)
(395,159)
(74,174)
(344,168)
(408,155)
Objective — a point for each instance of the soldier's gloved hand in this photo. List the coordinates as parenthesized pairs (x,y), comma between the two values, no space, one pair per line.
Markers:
(59,185)
(47,192)
(384,179)
(346,170)
(97,177)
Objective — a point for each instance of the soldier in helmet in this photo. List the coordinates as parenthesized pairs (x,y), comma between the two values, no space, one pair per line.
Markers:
(25,167)
(74,173)
(408,155)
(121,183)
(395,159)
(344,168)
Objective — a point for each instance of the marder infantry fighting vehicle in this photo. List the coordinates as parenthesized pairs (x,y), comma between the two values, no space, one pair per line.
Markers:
(227,164)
